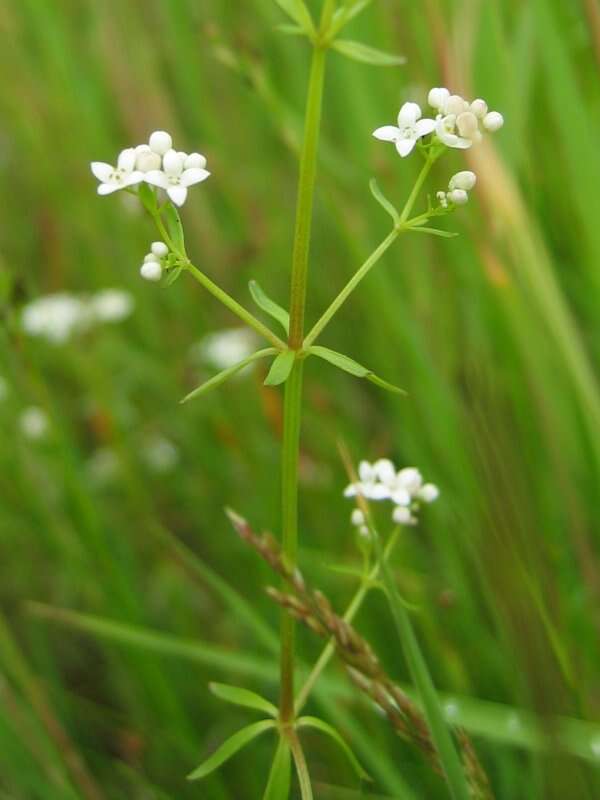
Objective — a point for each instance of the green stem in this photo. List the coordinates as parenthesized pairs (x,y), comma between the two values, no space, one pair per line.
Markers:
(440,734)
(364,270)
(349,614)
(301,767)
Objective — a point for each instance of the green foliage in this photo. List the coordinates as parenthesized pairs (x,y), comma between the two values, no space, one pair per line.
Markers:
(368,55)
(281,368)
(278,784)
(274,310)
(224,375)
(352,367)
(230,747)
(243,697)
(328,730)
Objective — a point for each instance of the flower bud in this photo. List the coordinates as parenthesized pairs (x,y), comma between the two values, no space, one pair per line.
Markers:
(465,180)
(467,124)
(160,249)
(458,196)
(429,493)
(195,161)
(147,160)
(493,121)
(442,199)
(151,271)
(150,257)
(437,97)
(160,142)
(455,104)
(357,518)
(480,108)
(403,516)
(172,162)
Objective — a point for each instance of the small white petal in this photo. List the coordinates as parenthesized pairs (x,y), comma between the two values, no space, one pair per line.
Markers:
(410,478)
(157,178)
(388,133)
(366,472)
(160,249)
(424,126)
(480,108)
(191,176)
(401,497)
(402,516)
(385,470)
(134,178)
(151,271)
(101,170)
(455,104)
(409,114)
(376,491)
(126,159)
(350,491)
(405,146)
(177,194)
(146,160)
(109,188)
(493,121)
(195,161)
(160,142)
(467,124)
(172,163)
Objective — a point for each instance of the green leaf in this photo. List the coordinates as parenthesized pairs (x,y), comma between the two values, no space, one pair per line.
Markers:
(272,308)
(324,727)
(175,228)
(278,786)
(297,10)
(290,30)
(221,377)
(435,232)
(242,697)
(345,14)
(368,55)
(281,368)
(171,276)
(230,747)
(352,367)
(383,201)
(148,197)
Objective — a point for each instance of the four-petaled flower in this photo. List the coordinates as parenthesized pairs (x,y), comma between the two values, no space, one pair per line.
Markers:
(120,177)
(410,128)
(175,178)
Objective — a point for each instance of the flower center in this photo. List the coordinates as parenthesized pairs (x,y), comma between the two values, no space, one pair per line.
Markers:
(174,180)
(408,132)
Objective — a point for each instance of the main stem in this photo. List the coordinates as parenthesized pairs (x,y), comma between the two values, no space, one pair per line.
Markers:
(293,387)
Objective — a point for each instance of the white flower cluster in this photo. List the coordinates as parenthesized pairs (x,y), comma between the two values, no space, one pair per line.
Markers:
(457,123)
(56,317)
(156,163)
(458,189)
(152,268)
(381,481)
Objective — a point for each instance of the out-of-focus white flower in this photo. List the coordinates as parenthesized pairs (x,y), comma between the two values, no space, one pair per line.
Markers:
(54,317)
(368,485)
(111,305)
(410,129)
(160,454)
(223,349)
(403,516)
(357,519)
(120,177)
(493,121)
(410,479)
(33,423)
(175,178)
(160,142)
(428,493)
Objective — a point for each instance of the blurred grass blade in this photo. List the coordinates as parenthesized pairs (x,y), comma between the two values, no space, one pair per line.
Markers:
(328,730)
(278,785)
(383,201)
(281,368)
(352,367)
(272,308)
(243,697)
(223,376)
(230,747)
(366,54)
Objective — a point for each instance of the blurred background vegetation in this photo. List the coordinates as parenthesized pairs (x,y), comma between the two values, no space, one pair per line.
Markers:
(123,590)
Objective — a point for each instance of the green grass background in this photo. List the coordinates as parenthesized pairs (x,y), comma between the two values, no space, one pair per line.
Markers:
(494,335)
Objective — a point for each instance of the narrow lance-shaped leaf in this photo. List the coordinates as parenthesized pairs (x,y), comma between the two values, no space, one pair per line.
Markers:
(383,201)
(347,12)
(221,377)
(230,747)
(272,308)
(243,697)
(435,232)
(172,275)
(174,227)
(328,730)
(278,785)
(297,10)
(368,55)
(352,367)
(281,368)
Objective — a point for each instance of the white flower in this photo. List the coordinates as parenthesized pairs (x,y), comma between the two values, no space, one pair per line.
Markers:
(33,423)
(159,249)
(174,178)
(368,485)
(151,269)
(445,130)
(111,305)
(465,180)
(493,121)
(428,493)
(54,317)
(403,516)
(437,98)
(160,142)
(226,348)
(146,159)
(410,479)
(410,128)
(120,177)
